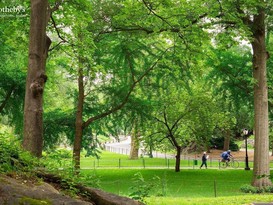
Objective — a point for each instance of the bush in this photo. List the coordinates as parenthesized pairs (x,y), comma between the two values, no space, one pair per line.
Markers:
(249,189)
(59,154)
(59,159)
(255,190)
(142,189)
(12,157)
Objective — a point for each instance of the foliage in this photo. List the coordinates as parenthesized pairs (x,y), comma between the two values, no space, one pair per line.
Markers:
(91,179)
(58,128)
(256,190)
(12,157)
(141,189)
(58,161)
(12,68)
(218,142)
(59,154)
(205,73)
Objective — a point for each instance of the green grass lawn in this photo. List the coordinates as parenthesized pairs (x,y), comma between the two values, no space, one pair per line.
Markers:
(114,160)
(185,187)
(187,183)
(229,200)
(190,186)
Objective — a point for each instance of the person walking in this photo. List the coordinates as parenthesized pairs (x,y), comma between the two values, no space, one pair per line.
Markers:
(204,160)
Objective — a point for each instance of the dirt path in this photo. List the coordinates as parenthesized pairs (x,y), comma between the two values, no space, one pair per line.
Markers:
(239,155)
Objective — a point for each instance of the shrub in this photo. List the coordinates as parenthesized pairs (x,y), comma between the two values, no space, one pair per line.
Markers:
(142,189)
(255,190)
(59,154)
(12,157)
(249,189)
(59,159)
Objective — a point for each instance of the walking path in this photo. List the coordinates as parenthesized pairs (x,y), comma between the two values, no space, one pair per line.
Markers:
(124,147)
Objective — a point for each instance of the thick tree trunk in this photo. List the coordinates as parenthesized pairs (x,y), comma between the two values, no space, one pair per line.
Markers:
(36,78)
(261,170)
(79,120)
(177,158)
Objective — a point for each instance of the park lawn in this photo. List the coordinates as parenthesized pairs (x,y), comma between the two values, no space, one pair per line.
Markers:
(229,200)
(187,183)
(185,187)
(189,186)
(112,160)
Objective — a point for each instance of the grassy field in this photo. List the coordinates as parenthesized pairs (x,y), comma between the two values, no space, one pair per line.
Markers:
(187,183)
(113,160)
(230,200)
(190,186)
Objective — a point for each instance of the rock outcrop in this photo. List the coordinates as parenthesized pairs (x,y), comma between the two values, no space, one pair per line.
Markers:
(20,192)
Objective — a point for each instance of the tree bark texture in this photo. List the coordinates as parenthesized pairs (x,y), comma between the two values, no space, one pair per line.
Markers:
(134,145)
(79,119)
(36,78)
(261,170)
(135,135)
(177,158)
(227,135)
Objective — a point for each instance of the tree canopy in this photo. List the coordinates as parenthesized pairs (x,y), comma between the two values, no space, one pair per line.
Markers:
(174,71)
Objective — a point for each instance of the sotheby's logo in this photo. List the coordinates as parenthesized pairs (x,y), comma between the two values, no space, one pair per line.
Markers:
(12,11)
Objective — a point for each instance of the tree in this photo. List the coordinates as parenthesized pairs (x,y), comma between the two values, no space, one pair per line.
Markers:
(171,131)
(231,77)
(248,20)
(253,16)
(181,120)
(36,78)
(260,56)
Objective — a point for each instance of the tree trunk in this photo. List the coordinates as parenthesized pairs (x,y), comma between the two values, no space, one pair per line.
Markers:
(79,120)
(226,139)
(178,156)
(150,148)
(134,143)
(261,170)
(134,148)
(36,78)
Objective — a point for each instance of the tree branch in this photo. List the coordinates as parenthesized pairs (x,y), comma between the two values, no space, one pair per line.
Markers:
(126,98)
(5,101)
(130,64)
(58,33)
